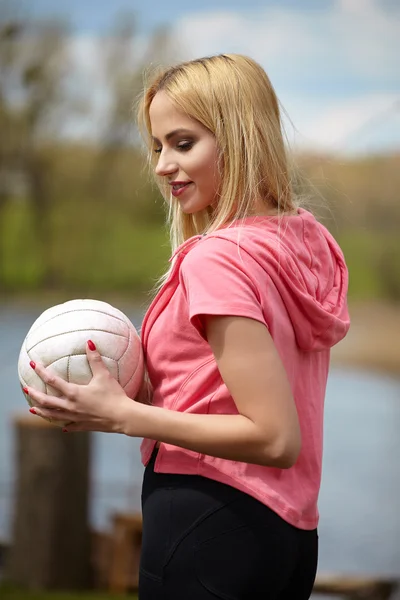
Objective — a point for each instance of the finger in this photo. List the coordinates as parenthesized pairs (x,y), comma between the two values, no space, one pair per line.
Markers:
(42,400)
(51,379)
(55,416)
(95,361)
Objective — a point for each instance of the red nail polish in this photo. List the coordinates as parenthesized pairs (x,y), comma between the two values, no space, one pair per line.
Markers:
(25,390)
(65,430)
(91,345)
(33,365)
(33,411)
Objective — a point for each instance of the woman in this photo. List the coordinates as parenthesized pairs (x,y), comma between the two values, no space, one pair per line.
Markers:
(237,346)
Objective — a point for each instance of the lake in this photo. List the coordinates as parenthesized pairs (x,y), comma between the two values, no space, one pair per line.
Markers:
(359,501)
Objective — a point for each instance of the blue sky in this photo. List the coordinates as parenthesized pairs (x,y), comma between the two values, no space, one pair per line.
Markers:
(334,63)
(96,15)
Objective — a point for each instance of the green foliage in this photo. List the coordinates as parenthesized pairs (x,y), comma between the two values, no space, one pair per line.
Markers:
(102,230)
(358,201)
(21,268)
(88,250)
(365,253)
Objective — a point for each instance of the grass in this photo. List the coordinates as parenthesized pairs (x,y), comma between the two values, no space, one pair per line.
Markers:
(108,249)
(9,593)
(101,250)
(373,260)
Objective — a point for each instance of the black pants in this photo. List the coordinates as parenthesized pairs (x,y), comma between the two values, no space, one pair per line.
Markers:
(204,540)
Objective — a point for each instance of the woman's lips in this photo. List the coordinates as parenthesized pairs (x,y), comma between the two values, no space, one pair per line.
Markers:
(179,189)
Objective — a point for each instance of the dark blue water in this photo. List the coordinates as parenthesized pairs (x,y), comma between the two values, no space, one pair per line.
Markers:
(359,501)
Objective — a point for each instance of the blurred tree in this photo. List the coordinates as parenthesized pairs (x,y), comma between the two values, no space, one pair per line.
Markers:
(124,61)
(125,57)
(9,32)
(34,99)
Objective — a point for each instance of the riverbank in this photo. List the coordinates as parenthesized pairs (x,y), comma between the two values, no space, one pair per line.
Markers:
(373,342)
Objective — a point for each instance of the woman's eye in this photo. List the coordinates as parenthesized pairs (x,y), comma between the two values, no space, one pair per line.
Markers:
(184,146)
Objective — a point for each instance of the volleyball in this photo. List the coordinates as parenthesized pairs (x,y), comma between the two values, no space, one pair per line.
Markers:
(58,340)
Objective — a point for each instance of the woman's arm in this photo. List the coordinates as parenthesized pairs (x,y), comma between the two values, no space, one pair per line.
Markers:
(266,430)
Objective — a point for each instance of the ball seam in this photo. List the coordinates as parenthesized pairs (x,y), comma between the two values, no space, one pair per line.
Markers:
(75,331)
(77,310)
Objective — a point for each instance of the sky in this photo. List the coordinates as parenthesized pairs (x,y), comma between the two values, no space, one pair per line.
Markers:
(333,63)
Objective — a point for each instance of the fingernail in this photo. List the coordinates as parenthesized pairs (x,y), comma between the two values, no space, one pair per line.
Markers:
(33,411)
(33,365)
(25,390)
(65,430)
(91,345)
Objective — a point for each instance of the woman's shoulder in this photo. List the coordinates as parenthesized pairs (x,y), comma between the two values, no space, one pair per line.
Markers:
(258,238)
(231,248)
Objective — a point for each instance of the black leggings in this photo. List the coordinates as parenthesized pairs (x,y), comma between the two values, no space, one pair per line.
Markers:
(204,540)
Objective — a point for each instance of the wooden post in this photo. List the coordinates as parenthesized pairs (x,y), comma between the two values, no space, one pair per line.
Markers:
(51,538)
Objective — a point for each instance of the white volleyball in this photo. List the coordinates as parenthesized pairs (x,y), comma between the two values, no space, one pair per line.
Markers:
(58,339)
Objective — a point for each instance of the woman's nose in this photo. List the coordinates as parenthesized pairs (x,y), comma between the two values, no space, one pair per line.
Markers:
(165,166)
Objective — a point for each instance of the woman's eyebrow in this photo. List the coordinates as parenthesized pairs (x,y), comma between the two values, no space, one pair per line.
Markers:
(172,134)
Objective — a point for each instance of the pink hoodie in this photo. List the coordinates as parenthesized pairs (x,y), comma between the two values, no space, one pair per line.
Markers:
(287,273)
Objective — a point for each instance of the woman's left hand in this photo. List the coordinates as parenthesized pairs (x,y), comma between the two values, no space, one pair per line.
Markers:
(101,405)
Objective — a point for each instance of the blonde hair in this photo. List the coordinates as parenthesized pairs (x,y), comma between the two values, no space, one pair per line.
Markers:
(232,96)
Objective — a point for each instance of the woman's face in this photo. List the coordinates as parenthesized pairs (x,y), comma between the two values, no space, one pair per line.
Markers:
(187,155)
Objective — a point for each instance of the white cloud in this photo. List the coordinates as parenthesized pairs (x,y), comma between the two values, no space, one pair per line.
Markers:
(333,69)
(356,6)
(354,37)
(371,38)
(87,58)
(359,125)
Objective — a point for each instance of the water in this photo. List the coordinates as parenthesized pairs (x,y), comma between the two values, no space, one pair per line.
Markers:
(359,502)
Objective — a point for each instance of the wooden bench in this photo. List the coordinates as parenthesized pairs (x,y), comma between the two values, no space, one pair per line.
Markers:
(125,547)
(356,588)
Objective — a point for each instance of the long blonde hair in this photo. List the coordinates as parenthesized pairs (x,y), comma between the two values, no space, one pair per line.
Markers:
(232,96)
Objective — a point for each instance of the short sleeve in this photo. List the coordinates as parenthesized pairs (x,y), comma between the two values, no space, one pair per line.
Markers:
(218,279)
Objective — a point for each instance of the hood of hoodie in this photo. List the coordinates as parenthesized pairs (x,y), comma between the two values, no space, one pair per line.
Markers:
(307,267)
